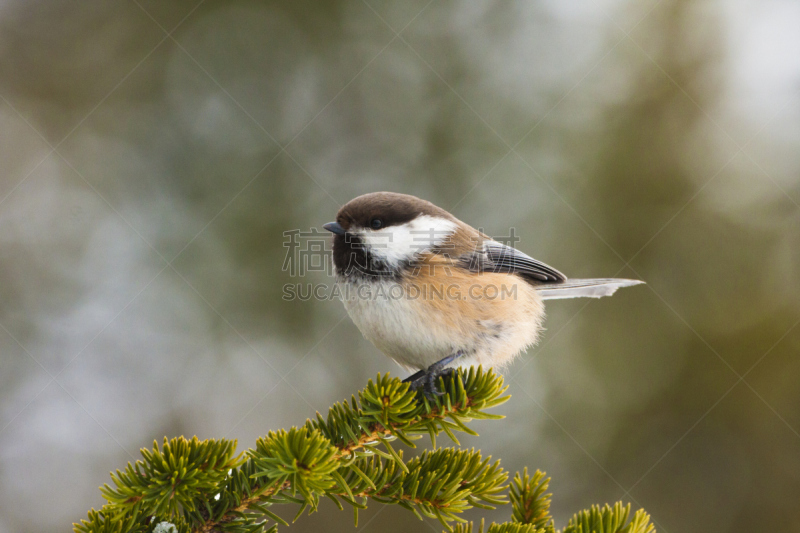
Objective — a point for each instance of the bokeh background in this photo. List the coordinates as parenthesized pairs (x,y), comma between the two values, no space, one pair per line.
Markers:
(152,155)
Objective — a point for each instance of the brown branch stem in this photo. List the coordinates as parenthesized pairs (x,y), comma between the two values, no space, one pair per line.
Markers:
(377,432)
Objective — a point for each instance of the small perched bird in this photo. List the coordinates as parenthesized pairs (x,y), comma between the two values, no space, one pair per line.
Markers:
(432,292)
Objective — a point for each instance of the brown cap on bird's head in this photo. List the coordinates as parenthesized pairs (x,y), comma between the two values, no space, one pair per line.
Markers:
(371,213)
(390,208)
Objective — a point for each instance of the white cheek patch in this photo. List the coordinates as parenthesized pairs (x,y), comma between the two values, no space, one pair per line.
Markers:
(402,242)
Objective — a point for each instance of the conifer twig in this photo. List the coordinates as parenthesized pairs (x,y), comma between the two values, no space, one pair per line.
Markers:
(193,486)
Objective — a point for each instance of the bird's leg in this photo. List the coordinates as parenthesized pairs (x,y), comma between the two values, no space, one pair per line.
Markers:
(425,380)
(414,377)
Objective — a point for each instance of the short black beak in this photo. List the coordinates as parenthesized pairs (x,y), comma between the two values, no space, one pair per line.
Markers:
(334,227)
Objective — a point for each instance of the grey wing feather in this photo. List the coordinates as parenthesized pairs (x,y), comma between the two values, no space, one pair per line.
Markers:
(549,282)
(587,288)
(498,257)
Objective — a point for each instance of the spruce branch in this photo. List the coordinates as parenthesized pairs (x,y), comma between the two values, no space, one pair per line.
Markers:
(388,409)
(170,480)
(506,527)
(530,502)
(597,519)
(441,484)
(609,520)
(193,486)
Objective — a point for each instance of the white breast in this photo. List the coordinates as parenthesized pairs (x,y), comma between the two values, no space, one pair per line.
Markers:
(393,323)
(415,334)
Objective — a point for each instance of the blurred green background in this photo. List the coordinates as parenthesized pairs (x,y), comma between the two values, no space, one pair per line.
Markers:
(153,153)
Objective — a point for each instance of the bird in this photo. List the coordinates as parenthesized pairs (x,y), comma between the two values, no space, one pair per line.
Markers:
(433,293)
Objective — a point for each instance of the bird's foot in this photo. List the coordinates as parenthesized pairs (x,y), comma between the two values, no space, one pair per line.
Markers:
(425,380)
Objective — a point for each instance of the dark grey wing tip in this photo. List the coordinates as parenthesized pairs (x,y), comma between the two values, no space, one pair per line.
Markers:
(502,258)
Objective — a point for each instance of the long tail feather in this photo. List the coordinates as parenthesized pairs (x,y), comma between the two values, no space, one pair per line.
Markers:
(586,288)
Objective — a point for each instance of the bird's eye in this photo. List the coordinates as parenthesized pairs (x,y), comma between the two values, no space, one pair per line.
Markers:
(376,223)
